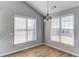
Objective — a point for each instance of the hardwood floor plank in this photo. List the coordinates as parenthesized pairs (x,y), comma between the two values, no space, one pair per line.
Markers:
(40,51)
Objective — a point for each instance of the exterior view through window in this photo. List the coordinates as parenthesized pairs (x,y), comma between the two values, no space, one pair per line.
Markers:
(63,30)
(55,29)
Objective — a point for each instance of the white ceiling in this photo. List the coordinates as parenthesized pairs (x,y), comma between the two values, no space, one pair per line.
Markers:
(41,6)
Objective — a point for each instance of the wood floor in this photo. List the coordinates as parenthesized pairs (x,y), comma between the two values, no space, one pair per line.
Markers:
(40,51)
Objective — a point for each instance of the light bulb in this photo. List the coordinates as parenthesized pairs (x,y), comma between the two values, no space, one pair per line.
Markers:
(45,20)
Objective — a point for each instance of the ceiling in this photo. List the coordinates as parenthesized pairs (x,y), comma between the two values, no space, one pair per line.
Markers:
(41,6)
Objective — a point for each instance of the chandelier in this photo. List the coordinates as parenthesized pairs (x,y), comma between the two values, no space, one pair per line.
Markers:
(48,17)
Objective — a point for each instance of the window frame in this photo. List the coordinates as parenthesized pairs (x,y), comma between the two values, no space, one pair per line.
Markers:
(74,29)
(51,29)
(26,28)
(34,18)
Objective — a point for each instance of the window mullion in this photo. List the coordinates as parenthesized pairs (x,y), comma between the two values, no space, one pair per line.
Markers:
(60,29)
(26,29)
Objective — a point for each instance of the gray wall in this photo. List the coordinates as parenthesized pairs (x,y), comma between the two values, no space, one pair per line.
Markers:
(7,12)
(74,49)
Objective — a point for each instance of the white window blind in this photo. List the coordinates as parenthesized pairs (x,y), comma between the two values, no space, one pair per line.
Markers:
(19,30)
(31,29)
(24,29)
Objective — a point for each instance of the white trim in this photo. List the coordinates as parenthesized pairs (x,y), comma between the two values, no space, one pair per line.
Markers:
(20,49)
(62,49)
(38,45)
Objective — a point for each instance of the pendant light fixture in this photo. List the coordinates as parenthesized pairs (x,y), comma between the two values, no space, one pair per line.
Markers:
(48,17)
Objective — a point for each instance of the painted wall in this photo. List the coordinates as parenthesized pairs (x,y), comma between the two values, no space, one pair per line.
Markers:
(7,12)
(68,48)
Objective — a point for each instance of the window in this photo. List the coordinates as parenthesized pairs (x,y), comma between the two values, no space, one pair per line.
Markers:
(20,30)
(67,30)
(31,24)
(24,29)
(64,28)
(55,29)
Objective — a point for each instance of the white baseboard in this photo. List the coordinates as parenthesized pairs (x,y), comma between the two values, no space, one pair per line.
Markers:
(20,49)
(63,50)
(38,45)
